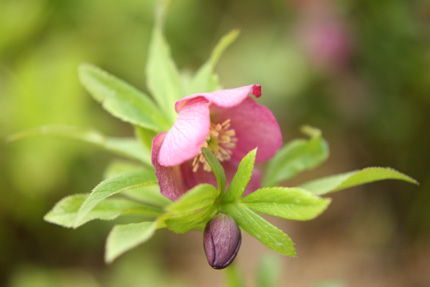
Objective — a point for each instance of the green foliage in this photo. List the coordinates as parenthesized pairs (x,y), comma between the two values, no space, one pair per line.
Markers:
(261,229)
(65,211)
(121,99)
(196,207)
(127,236)
(217,169)
(241,178)
(297,156)
(289,203)
(184,222)
(163,77)
(112,186)
(128,147)
(354,178)
(193,208)
(198,197)
(149,194)
(205,80)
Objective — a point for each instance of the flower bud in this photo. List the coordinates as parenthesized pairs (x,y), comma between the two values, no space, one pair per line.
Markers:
(221,241)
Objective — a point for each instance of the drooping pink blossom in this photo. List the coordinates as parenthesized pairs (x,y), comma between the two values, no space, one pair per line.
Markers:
(227,122)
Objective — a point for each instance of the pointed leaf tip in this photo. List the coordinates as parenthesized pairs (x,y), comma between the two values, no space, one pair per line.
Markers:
(354,178)
(241,178)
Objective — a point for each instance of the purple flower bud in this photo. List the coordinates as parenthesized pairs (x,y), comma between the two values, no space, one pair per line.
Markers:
(221,241)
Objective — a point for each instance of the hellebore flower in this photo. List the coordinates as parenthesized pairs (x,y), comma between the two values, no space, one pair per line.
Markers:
(221,240)
(227,122)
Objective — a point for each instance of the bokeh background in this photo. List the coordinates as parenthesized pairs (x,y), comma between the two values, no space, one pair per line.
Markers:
(359,70)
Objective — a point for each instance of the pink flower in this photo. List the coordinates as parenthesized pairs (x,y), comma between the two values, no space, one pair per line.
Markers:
(227,122)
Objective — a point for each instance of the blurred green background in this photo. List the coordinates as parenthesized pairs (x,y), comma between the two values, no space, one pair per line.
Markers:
(359,70)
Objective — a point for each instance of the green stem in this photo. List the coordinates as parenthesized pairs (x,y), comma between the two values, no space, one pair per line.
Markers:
(233,276)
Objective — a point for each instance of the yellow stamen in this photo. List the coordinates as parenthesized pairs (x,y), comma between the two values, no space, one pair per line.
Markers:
(220,141)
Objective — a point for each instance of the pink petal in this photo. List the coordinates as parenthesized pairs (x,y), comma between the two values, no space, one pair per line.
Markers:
(255,126)
(192,178)
(223,98)
(169,178)
(185,139)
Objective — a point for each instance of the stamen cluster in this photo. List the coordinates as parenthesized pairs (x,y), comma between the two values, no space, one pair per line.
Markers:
(220,141)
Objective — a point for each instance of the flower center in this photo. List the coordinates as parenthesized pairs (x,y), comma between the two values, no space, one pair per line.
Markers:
(220,141)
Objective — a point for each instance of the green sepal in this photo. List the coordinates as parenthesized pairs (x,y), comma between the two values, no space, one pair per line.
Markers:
(289,203)
(354,178)
(297,156)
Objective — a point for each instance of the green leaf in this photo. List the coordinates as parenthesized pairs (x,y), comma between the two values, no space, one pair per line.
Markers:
(289,203)
(217,169)
(204,80)
(184,222)
(148,194)
(128,147)
(121,99)
(297,156)
(354,178)
(125,237)
(163,77)
(65,211)
(112,186)
(241,178)
(269,271)
(193,208)
(201,196)
(261,229)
